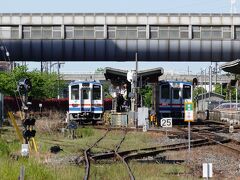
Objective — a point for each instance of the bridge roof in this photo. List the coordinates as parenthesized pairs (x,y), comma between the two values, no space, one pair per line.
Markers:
(118,76)
(118,36)
(232,67)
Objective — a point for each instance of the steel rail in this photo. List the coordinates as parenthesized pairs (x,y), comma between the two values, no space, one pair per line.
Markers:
(207,135)
(131,176)
(107,155)
(86,152)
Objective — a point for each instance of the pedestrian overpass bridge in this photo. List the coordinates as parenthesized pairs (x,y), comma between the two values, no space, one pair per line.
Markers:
(117,37)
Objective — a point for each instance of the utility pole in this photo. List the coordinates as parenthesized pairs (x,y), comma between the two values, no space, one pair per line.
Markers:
(236,86)
(136,87)
(210,78)
(41,66)
(58,65)
(233,8)
(201,79)
(216,71)
(205,73)
(210,83)
(2,109)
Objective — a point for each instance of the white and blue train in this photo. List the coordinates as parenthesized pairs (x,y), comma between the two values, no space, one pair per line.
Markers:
(173,94)
(86,101)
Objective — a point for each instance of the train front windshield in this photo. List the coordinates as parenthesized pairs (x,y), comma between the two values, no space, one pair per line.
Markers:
(187,92)
(96,92)
(165,91)
(75,92)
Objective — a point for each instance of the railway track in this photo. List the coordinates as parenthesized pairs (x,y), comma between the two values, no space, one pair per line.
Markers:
(152,151)
(87,155)
(211,136)
(202,137)
(131,176)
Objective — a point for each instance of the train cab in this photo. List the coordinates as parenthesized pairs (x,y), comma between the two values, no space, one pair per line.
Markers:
(172,96)
(85,101)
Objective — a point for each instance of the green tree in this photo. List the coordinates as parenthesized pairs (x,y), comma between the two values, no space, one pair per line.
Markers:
(227,91)
(197,91)
(218,89)
(106,86)
(44,85)
(146,93)
(99,70)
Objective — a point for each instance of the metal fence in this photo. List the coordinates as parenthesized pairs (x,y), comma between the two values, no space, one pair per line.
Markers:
(232,117)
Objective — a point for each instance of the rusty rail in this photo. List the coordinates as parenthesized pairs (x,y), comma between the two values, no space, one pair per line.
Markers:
(131,176)
(86,156)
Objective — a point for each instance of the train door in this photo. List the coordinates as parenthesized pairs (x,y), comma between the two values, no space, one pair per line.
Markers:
(86,97)
(74,99)
(97,103)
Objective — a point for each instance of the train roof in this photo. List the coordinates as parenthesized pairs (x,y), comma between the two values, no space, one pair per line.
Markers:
(178,82)
(80,82)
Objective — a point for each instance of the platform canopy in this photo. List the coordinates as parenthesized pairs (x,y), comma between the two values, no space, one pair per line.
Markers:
(232,67)
(119,76)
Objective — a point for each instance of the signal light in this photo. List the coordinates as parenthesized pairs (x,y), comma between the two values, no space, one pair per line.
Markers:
(233,82)
(29,134)
(195,82)
(29,122)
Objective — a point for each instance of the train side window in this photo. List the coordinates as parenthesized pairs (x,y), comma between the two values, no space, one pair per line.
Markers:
(186,92)
(175,93)
(165,93)
(75,92)
(96,92)
(85,93)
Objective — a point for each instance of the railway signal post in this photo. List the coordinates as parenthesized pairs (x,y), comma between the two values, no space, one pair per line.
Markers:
(24,87)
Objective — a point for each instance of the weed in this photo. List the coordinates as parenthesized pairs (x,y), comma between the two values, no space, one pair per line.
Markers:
(4,148)
(84,132)
(174,170)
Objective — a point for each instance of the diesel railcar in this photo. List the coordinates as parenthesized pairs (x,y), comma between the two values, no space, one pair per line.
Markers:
(173,94)
(86,101)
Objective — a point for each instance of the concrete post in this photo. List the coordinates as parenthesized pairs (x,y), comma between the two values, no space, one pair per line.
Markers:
(1,109)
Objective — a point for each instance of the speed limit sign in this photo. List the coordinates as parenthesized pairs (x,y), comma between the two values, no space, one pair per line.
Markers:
(166,122)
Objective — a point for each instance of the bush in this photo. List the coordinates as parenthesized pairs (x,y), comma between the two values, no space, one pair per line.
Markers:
(49,126)
(84,132)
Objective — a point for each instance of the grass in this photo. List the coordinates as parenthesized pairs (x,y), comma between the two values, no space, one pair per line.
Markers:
(141,171)
(138,140)
(109,142)
(4,148)
(10,169)
(36,168)
(157,171)
(84,132)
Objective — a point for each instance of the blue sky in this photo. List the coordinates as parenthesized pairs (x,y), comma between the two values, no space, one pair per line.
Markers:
(124,6)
